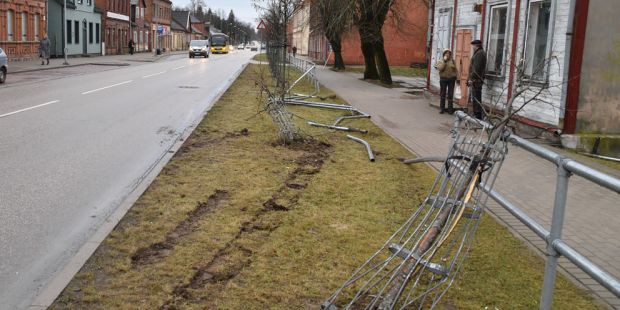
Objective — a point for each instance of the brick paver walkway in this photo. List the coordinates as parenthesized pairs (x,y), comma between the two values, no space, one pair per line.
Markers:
(593,213)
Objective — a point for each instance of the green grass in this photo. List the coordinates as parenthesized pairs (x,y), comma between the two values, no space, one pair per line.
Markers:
(267,244)
(261,57)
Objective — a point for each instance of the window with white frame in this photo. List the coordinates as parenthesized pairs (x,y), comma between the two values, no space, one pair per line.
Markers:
(24,26)
(10,21)
(536,39)
(37,18)
(496,39)
(444,28)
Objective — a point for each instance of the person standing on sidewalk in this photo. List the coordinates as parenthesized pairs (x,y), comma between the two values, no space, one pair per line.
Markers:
(131,46)
(44,50)
(447,78)
(294,51)
(477,68)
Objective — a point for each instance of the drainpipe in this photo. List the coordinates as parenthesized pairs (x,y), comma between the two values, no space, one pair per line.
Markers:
(567,56)
(429,51)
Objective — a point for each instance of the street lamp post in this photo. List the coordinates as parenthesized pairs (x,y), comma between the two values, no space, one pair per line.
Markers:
(64,33)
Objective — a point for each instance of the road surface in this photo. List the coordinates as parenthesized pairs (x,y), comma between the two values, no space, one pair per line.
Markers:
(74,146)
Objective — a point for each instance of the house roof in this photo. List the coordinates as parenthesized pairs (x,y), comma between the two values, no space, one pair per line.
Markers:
(193,19)
(182,18)
(174,25)
(213,30)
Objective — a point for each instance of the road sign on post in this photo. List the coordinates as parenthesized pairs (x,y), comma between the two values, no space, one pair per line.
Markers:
(261,25)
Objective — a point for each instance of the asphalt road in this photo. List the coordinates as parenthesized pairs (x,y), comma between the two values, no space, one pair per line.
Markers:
(73,147)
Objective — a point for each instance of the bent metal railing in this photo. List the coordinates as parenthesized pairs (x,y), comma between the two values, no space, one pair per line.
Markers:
(308,70)
(425,282)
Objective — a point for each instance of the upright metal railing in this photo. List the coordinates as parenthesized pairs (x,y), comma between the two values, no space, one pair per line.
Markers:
(557,247)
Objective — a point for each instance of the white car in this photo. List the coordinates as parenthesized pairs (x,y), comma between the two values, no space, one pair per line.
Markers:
(199,48)
(4,66)
(240,46)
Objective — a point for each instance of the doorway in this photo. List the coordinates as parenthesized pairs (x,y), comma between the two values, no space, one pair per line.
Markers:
(84,38)
(462,57)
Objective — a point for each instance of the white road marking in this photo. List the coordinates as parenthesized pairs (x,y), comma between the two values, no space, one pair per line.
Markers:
(177,68)
(30,108)
(106,87)
(154,74)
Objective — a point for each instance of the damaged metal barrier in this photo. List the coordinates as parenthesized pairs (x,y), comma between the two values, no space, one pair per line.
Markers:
(371,155)
(315,124)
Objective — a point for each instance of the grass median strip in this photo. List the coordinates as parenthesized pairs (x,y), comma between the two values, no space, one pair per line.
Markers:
(238,221)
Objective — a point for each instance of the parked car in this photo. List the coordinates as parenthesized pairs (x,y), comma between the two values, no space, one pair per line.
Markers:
(4,66)
(199,47)
(240,46)
(254,48)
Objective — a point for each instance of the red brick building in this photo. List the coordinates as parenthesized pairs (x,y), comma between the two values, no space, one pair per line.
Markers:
(161,17)
(404,37)
(115,20)
(22,25)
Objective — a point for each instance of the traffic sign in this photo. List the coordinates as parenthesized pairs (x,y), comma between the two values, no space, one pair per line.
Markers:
(261,25)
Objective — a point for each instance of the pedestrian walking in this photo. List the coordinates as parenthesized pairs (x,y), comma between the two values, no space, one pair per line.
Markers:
(131,46)
(44,50)
(448,73)
(294,51)
(477,68)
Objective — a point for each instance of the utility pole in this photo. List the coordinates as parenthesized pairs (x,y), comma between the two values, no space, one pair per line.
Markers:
(64,33)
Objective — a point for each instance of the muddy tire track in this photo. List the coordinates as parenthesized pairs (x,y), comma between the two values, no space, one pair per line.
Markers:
(234,256)
(156,251)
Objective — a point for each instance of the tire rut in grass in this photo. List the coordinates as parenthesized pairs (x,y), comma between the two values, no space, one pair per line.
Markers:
(235,256)
(156,251)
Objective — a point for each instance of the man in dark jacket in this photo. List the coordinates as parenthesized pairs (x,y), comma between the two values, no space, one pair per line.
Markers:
(477,68)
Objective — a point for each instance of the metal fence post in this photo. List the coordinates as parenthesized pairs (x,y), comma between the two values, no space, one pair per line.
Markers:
(557,221)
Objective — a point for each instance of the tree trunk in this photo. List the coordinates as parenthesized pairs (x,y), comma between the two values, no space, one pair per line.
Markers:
(370,72)
(337,48)
(383,66)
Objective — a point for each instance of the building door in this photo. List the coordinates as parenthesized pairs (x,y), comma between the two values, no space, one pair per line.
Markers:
(85,38)
(462,57)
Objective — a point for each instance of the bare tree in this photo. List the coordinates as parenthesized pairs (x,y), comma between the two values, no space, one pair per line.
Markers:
(369,17)
(333,18)
(277,14)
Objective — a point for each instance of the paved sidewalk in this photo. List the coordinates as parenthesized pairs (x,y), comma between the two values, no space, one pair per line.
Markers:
(137,58)
(592,217)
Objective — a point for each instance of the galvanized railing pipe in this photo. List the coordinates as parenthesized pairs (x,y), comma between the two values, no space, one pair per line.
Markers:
(371,155)
(598,274)
(555,234)
(555,245)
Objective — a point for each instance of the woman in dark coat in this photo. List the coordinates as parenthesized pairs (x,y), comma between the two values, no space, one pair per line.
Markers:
(44,50)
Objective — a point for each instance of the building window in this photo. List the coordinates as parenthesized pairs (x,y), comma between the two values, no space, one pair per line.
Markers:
(24,26)
(89,2)
(77,32)
(37,19)
(90,33)
(444,31)
(536,40)
(97,33)
(69,32)
(9,21)
(496,39)
(79,1)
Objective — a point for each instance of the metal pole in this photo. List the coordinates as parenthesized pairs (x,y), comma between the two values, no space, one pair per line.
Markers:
(64,33)
(557,221)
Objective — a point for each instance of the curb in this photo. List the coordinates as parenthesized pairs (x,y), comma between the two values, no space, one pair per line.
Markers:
(45,297)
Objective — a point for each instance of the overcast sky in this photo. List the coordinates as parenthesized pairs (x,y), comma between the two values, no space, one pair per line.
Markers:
(242,8)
